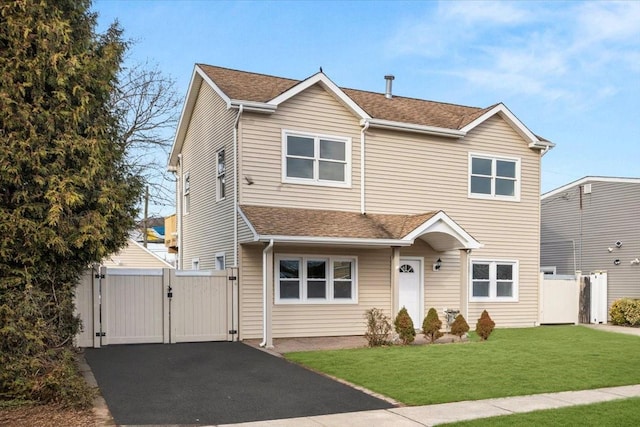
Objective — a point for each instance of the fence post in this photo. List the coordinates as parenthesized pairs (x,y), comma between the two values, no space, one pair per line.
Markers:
(166,305)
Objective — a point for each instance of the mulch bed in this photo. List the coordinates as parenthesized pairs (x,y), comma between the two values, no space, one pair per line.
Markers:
(45,416)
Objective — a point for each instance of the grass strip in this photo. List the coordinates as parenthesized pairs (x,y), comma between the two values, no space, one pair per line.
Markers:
(513,362)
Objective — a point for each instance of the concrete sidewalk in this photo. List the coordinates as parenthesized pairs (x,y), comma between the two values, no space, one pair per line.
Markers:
(420,416)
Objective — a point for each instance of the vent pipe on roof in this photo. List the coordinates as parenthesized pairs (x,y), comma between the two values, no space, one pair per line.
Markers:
(389,78)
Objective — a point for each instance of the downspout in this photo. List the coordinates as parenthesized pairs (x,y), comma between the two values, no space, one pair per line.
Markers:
(363,137)
(265,283)
(180,207)
(235,186)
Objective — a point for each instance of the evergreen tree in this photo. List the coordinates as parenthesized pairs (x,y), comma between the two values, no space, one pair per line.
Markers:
(67,196)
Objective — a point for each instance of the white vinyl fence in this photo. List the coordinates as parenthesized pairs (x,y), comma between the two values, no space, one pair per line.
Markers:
(131,306)
(573,299)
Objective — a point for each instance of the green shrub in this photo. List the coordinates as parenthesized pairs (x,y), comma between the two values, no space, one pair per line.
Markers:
(459,326)
(485,326)
(431,325)
(378,327)
(625,311)
(404,327)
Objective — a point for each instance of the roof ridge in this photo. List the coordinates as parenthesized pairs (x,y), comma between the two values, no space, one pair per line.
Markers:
(249,72)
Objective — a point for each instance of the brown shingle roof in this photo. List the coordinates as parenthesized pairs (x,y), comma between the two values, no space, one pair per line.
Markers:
(274,221)
(242,85)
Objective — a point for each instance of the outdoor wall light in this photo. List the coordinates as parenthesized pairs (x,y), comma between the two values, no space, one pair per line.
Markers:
(437,265)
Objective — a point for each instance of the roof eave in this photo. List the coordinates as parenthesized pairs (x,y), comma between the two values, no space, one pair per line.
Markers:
(253,106)
(414,128)
(342,241)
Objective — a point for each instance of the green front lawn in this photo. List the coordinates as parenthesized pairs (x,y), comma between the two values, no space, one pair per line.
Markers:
(615,414)
(512,362)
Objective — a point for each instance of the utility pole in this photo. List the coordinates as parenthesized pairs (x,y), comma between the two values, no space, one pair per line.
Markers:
(146,214)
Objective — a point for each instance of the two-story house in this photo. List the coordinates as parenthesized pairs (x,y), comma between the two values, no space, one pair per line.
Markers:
(329,201)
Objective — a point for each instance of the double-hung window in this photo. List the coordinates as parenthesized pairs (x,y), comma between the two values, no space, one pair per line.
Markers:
(315,280)
(220,172)
(494,280)
(316,159)
(186,190)
(494,177)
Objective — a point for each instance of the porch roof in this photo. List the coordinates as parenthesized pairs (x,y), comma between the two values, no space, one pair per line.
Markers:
(293,225)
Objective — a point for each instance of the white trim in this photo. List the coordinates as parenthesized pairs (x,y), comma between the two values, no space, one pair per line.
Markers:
(492,280)
(421,313)
(494,158)
(441,222)
(253,106)
(303,300)
(410,127)
(256,236)
(334,240)
(325,82)
(195,273)
(115,271)
(516,124)
(590,179)
(316,159)
(548,270)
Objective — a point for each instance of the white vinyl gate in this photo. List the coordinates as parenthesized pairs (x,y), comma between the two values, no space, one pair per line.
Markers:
(573,299)
(131,306)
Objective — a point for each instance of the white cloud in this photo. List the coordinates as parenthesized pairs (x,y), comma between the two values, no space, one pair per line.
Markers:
(548,50)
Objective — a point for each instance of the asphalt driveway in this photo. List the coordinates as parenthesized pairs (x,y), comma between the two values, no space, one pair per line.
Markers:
(214,383)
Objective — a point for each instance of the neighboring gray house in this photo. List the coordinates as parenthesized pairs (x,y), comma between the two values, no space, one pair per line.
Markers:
(592,224)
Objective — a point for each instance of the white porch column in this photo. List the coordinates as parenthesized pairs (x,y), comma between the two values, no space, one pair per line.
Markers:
(464,283)
(395,280)
(268,338)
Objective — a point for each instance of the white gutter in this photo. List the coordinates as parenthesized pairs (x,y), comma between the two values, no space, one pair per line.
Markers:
(408,127)
(333,240)
(363,209)
(180,203)
(235,186)
(256,107)
(265,281)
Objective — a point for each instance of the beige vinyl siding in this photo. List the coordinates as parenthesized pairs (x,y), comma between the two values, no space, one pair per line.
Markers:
(208,227)
(411,173)
(134,256)
(313,111)
(306,320)
(608,214)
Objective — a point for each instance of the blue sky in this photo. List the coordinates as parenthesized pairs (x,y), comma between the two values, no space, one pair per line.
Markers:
(569,70)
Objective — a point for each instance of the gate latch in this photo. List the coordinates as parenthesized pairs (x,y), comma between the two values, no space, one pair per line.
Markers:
(169,292)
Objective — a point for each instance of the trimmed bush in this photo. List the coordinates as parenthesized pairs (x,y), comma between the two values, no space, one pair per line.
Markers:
(625,311)
(378,327)
(459,326)
(431,325)
(404,327)
(485,326)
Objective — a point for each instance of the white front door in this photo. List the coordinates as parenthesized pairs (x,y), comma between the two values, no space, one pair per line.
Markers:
(410,295)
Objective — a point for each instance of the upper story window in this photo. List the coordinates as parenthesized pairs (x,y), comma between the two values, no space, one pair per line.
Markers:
(493,177)
(494,281)
(316,159)
(220,172)
(315,280)
(186,191)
